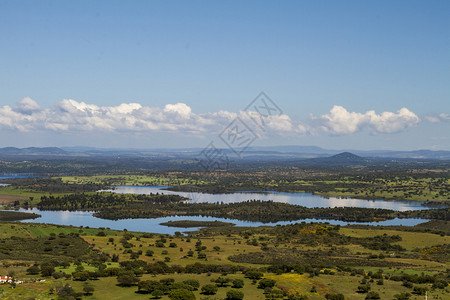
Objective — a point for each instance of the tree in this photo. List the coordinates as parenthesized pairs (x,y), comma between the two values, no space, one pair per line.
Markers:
(252,274)
(127,279)
(235,295)
(275,293)
(192,282)
(47,270)
(402,296)
(363,288)
(264,283)
(88,290)
(80,276)
(181,294)
(67,292)
(222,281)
(157,294)
(209,289)
(33,270)
(418,290)
(334,297)
(148,286)
(372,295)
(238,283)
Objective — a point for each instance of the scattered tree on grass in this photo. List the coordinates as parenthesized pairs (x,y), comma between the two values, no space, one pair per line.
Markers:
(88,290)
(235,295)
(238,283)
(209,289)
(181,294)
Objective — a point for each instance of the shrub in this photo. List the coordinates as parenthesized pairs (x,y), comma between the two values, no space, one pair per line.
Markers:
(209,289)
(334,297)
(235,295)
(181,294)
(264,283)
(372,295)
(192,282)
(238,283)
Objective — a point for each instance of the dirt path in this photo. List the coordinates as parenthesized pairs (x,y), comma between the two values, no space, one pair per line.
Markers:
(10,198)
(26,230)
(95,247)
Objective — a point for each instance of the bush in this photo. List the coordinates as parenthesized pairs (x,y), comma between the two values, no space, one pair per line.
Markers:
(127,279)
(192,282)
(334,297)
(252,274)
(88,290)
(33,270)
(440,284)
(181,294)
(209,289)
(372,295)
(265,283)
(418,290)
(402,296)
(363,288)
(238,283)
(235,295)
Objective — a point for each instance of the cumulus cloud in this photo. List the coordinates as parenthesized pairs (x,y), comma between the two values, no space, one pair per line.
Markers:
(69,115)
(340,121)
(27,106)
(437,118)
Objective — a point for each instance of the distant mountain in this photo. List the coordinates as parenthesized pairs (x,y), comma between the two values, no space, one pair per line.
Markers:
(51,151)
(344,158)
(261,153)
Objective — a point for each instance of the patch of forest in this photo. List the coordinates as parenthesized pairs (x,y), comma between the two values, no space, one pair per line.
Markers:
(262,211)
(54,185)
(17,216)
(100,201)
(193,223)
(62,247)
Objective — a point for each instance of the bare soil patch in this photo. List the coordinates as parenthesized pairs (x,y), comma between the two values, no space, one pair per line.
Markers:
(10,198)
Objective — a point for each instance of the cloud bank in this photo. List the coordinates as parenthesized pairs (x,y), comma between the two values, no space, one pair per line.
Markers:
(72,116)
(339,121)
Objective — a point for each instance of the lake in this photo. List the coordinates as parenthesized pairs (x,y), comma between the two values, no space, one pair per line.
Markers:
(303,199)
(84,218)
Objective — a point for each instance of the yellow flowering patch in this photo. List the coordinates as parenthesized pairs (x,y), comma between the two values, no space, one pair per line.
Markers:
(312,229)
(293,283)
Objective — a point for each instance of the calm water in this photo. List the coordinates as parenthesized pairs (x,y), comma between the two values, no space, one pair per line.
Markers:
(83,218)
(78,218)
(304,199)
(16,175)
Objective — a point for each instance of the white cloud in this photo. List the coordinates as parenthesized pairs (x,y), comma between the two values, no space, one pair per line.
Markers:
(437,118)
(72,116)
(340,121)
(180,109)
(27,106)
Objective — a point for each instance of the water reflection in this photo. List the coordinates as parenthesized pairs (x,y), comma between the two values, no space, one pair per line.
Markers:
(84,218)
(304,199)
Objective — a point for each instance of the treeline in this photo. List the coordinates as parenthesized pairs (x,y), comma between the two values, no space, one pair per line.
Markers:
(263,211)
(101,201)
(17,216)
(64,247)
(54,185)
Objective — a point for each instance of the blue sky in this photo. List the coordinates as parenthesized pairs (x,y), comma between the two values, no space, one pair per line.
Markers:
(193,66)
